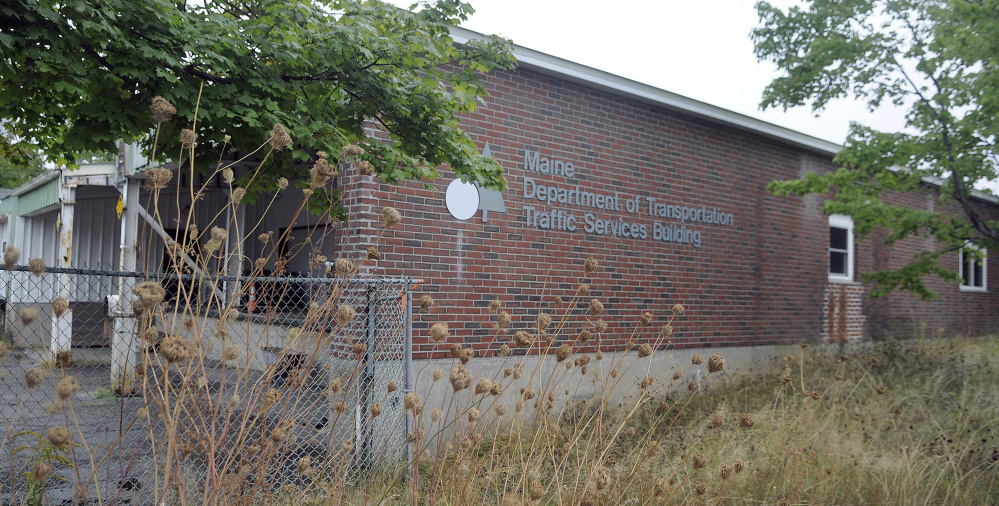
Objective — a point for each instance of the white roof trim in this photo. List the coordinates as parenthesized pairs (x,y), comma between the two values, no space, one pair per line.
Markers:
(606,81)
(939,182)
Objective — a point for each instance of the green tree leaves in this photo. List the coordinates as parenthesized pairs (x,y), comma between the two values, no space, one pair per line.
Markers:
(79,75)
(939,57)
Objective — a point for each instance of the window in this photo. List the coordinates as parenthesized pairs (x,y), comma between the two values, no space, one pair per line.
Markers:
(972,269)
(840,248)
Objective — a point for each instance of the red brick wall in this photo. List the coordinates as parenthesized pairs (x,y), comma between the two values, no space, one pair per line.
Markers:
(758,281)
(953,311)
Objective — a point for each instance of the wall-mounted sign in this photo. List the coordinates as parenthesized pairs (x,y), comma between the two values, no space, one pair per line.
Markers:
(555,203)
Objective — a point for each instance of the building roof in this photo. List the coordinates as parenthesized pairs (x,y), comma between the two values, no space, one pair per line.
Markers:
(4,192)
(591,77)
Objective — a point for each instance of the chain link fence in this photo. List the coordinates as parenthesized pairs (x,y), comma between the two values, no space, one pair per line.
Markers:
(230,381)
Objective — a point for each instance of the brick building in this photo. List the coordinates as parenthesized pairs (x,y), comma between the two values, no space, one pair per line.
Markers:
(669,194)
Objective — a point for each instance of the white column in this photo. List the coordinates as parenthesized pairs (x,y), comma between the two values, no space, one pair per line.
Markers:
(124,340)
(62,326)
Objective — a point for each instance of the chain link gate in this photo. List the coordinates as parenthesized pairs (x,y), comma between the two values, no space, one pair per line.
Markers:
(271,377)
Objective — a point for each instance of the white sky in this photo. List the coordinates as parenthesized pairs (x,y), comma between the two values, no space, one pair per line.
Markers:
(697,49)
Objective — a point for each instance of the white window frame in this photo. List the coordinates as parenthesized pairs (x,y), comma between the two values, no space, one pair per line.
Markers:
(845,222)
(985,272)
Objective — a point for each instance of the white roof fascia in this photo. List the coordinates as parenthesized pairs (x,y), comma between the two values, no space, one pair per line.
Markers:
(606,81)
(939,182)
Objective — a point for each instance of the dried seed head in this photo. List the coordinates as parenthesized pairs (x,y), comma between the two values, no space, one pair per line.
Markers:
(342,267)
(836,377)
(716,363)
(175,349)
(41,471)
(563,352)
(437,374)
(11,256)
(146,295)
(410,400)
(880,390)
(596,307)
(499,409)
(667,330)
(647,382)
(414,436)
(374,254)
(644,350)
(304,464)
(375,409)
(494,305)
(590,265)
(473,414)
(697,359)
(785,380)
(536,492)
(484,385)
(519,406)
(391,217)
(335,385)
(187,138)
(678,309)
(518,370)
(600,326)
(435,414)
(701,488)
(523,339)
(279,137)
(163,110)
(28,315)
(505,351)
(717,420)
(646,319)
(601,478)
(496,389)
(344,315)
(426,301)
(739,466)
(677,375)
(359,350)
(599,355)
(351,150)
(282,183)
(660,487)
(67,387)
(230,353)
(746,421)
(59,306)
(528,393)
(365,168)
(237,195)
(228,176)
(874,360)
(544,320)
(460,378)
(692,386)
(58,435)
(279,434)
(36,266)
(391,387)
(439,332)
(700,461)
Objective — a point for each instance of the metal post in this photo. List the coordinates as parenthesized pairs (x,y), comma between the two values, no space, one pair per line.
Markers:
(62,326)
(124,341)
(410,424)
(368,378)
